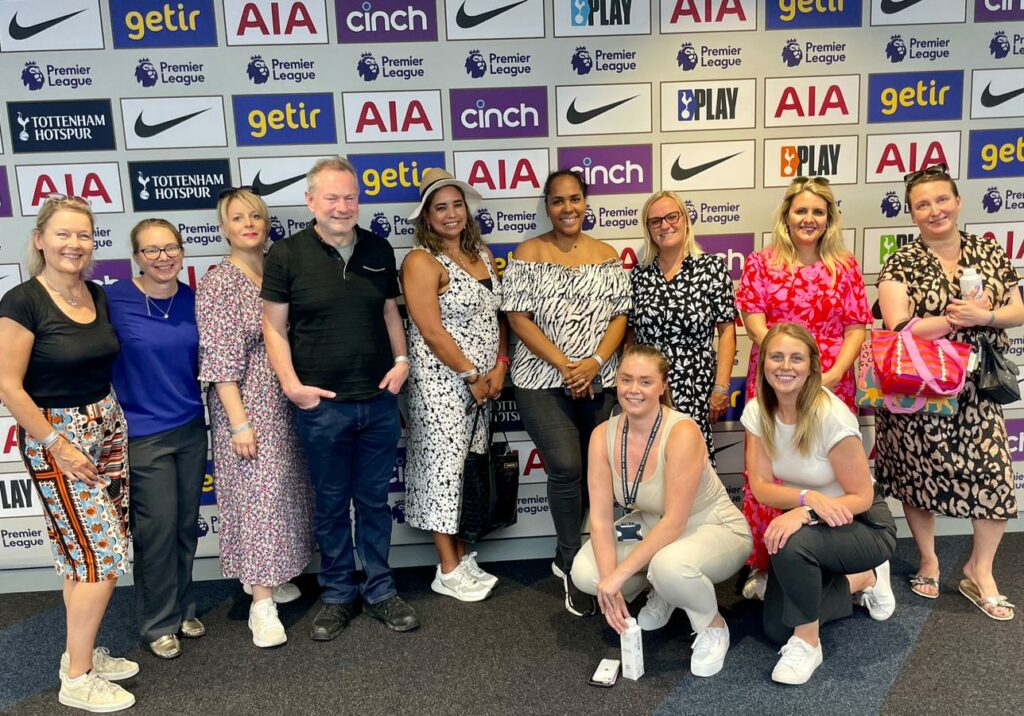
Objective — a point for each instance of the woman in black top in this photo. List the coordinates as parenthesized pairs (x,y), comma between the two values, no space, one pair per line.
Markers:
(55,381)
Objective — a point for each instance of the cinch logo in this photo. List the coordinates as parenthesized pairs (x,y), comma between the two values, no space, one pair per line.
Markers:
(403,68)
(166,122)
(601,17)
(800,14)
(811,100)
(99,183)
(6,209)
(892,156)
(392,116)
(181,73)
(163,23)
(178,185)
(996,153)
(370,22)
(617,61)
(499,112)
(827,53)
(109,271)
(998,10)
(284,119)
(504,174)
(82,125)
(891,205)
(393,178)
(834,158)
(679,16)
(915,96)
(52,25)
(65,76)
(298,71)
(275,22)
(623,169)
(707,105)
(733,248)
(509,65)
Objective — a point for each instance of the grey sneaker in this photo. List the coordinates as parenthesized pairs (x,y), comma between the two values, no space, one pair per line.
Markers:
(485,578)
(91,692)
(111,668)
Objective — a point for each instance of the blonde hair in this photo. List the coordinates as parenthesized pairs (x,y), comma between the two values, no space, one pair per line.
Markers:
(471,243)
(329,164)
(811,403)
(831,248)
(153,223)
(660,361)
(247,197)
(651,250)
(36,259)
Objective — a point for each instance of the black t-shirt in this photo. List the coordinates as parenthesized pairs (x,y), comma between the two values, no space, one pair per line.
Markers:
(71,362)
(336,329)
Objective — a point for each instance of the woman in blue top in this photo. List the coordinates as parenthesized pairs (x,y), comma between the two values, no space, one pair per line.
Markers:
(155,380)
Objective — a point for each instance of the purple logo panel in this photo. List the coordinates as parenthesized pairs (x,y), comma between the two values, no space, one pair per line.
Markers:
(106,271)
(386,21)
(623,169)
(998,10)
(5,195)
(733,248)
(499,112)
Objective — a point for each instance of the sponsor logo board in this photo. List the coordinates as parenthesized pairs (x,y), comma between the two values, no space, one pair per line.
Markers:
(881,243)
(799,101)
(393,178)
(81,125)
(374,21)
(172,122)
(732,248)
(99,183)
(998,10)
(997,93)
(27,25)
(724,104)
(392,116)
(834,158)
(1009,235)
(270,119)
(892,156)
(6,207)
(996,153)
(504,174)
(579,18)
(812,14)
(275,22)
(493,19)
(162,23)
(686,16)
(915,96)
(917,12)
(607,169)
(191,184)
(499,112)
(603,109)
(697,166)
(279,181)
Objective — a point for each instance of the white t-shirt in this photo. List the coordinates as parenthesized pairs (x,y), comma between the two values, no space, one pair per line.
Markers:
(812,471)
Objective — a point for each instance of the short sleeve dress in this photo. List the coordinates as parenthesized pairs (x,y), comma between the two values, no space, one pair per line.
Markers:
(679,318)
(958,466)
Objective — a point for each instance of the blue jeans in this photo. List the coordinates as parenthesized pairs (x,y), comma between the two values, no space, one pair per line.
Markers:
(351,451)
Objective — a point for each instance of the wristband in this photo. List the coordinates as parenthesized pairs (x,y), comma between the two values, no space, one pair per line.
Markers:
(598,359)
(50,439)
(505,360)
(803,496)
(720,389)
(241,428)
(469,373)
(401,359)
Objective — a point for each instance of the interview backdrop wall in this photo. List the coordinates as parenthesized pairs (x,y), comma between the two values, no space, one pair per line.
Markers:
(150,108)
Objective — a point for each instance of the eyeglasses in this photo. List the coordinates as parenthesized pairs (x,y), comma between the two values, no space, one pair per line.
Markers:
(69,197)
(153,253)
(939,170)
(672,219)
(228,191)
(823,181)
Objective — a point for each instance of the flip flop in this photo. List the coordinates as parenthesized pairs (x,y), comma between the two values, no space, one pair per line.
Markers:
(986,604)
(917,581)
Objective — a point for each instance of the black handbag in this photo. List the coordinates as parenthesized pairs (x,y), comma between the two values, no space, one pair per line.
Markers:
(997,375)
(490,487)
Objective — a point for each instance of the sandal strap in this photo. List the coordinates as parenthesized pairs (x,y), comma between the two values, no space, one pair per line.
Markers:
(999,600)
(918,580)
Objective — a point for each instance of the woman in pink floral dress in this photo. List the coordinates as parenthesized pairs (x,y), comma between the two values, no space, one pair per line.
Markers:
(806,276)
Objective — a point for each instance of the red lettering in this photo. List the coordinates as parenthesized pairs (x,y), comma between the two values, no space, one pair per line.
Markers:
(892,158)
(370,116)
(791,102)
(628,257)
(92,188)
(298,17)
(692,10)
(11,444)
(533,462)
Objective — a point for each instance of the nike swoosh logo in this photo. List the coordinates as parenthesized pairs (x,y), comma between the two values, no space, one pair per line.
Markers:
(261,189)
(576,116)
(23,32)
(994,100)
(466,21)
(151,130)
(891,7)
(683,173)
(720,448)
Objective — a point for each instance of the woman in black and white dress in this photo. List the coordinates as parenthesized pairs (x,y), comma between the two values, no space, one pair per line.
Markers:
(457,355)
(566,296)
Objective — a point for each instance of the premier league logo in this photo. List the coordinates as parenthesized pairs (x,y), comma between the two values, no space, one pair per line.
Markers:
(202,526)
(891,205)
(992,202)
(398,512)
(257,70)
(145,73)
(380,225)
(476,66)
(686,58)
(486,221)
(999,46)
(792,55)
(368,68)
(896,50)
(276,232)
(582,62)
(32,77)
(692,211)
(589,219)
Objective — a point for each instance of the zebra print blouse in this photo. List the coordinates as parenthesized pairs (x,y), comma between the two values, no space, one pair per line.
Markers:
(572,306)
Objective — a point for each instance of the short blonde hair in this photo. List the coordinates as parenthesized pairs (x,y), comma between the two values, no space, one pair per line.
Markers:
(36,260)
(247,197)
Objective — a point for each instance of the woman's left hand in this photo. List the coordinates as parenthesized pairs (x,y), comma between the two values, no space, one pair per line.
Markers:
(717,405)
(581,374)
(495,378)
(965,313)
(783,527)
(611,603)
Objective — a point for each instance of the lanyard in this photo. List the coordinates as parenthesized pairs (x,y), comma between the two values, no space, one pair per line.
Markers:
(627,495)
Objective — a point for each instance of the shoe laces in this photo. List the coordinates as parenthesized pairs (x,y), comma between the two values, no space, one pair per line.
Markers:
(94,683)
(658,606)
(264,614)
(794,652)
(101,655)
(472,567)
(706,640)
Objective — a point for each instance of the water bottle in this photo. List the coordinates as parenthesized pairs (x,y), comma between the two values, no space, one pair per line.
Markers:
(632,645)
(970,281)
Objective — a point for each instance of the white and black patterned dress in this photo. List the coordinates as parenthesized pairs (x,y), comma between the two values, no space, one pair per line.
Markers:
(438,430)
(679,318)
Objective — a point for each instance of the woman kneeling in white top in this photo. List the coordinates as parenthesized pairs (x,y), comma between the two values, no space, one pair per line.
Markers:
(837,535)
(681,533)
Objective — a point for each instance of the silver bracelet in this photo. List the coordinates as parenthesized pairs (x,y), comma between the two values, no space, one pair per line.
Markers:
(241,428)
(600,361)
(401,359)
(469,373)
(720,389)
(49,441)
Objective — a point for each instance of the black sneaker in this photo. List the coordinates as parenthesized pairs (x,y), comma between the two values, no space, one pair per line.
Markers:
(577,602)
(395,612)
(331,619)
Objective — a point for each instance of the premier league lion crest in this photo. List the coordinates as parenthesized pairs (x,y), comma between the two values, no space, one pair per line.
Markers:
(999,46)
(992,202)
(257,70)
(687,58)
(145,73)
(792,55)
(691,210)
(582,62)
(476,66)
(380,225)
(896,49)
(486,221)
(891,205)
(33,77)
(589,219)
(367,67)
(277,231)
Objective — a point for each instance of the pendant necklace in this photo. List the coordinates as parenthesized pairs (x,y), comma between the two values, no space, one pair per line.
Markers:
(150,302)
(70,299)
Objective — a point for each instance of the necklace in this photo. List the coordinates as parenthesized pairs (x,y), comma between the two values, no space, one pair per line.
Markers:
(457,259)
(149,302)
(950,271)
(69,298)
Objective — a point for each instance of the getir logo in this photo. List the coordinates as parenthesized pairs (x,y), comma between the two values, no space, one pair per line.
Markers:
(611,169)
(275,22)
(996,153)
(504,174)
(168,23)
(99,183)
(392,116)
(799,101)
(284,119)
(915,96)
(794,14)
(892,156)
(372,21)
(393,178)
(708,16)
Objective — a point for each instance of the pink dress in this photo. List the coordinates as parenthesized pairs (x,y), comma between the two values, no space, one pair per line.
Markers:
(806,296)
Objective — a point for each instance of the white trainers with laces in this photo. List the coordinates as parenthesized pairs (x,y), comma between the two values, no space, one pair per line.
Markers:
(459,583)
(267,629)
(281,594)
(755,585)
(111,668)
(798,662)
(485,578)
(709,649)
(655,614)
(91,692)
(879,599)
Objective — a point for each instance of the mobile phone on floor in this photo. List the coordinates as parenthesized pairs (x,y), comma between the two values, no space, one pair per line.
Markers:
(606,674)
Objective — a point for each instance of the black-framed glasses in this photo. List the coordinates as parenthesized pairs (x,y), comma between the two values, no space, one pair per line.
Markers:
(655,221)
(823,181)
(231,190)
(938,170)
(69,197)
(153,253)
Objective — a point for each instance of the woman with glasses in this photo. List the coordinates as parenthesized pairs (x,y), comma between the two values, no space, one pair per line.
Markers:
(155,379)
(59,349)
(805,276)
(958,465)
(263,492)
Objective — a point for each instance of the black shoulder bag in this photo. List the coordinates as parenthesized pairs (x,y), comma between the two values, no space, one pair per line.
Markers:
(490,487)
(997,375)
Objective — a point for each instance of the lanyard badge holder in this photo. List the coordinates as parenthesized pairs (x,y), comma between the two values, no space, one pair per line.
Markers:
(629,530)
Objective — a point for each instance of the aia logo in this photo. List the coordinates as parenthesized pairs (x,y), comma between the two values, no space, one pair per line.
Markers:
(277,231)
(891,205)
(811,100)
(792,55)
(691,210)
(687,58)
(257,70)
(589,219)
(582,63)
(380,225)
(992,201)
(476,65)
(275,22)
(367,67)
(999,47)
(486,221)
(896,49)
(33,77)
(145,73)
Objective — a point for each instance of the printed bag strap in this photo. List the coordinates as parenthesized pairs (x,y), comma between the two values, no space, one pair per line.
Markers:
(907,339)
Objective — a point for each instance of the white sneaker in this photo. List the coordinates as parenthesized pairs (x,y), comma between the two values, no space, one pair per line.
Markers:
(459,583)
(798,662)
(755,585)
(281,594)
(709,650)
(111,668)
(654,614)
(91,692)
(879,599)
(485,578)
(557,571)
(267,629)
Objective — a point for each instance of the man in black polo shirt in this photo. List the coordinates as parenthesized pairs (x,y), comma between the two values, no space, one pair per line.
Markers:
(336,341)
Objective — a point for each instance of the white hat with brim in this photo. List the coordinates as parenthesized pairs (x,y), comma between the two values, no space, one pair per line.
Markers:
(434,179)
